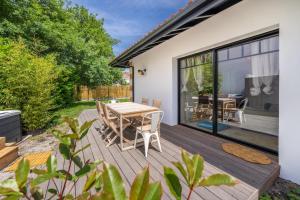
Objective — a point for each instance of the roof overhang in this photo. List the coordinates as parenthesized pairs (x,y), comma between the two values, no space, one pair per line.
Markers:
(195,13)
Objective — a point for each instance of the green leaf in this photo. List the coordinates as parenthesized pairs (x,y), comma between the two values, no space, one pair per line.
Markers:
(198,165)
(173,182)
(83,196)
(154,191)
(113,183)
(12,197)
(189,166)
(65,151)
(140,184)
(39,171)
(60,136)
(181,169)
(82,149)
(85,128)
(77,161)
(52,164)
(73,123)
(22,173)
(217,180)
(9,187)
(71,136)
(86,169)
(37,193)
(102,196)
(62,174)
(53,191)
(41,179)
(90,182)
(98,182)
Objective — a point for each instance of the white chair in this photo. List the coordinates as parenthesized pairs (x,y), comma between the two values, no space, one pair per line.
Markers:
(239,112)
(150,130)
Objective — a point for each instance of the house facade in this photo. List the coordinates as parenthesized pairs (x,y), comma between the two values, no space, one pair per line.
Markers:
(228,68)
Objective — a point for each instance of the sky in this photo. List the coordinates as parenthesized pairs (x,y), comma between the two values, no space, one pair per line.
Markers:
(129,20)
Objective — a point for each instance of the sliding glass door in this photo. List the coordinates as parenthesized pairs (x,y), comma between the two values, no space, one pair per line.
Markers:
(247,82)
(196,91)
(249,92)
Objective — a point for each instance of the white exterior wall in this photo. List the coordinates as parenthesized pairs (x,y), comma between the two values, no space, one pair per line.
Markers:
(245,19)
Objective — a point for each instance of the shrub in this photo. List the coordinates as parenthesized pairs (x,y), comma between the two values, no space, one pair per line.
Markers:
(64,89)
(27,83)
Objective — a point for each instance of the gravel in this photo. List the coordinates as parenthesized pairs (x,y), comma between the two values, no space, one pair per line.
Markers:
(44,141)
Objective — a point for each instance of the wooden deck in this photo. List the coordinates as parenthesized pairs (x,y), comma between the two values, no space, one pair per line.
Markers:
(253,178)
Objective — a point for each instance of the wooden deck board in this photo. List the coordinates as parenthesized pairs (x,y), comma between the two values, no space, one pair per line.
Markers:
(253,178)
(258,176)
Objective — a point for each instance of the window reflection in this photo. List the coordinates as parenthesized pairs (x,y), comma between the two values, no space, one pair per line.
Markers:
(196,91)
(250,90)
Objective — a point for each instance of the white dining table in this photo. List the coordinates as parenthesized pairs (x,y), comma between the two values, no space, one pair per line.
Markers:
(128,110)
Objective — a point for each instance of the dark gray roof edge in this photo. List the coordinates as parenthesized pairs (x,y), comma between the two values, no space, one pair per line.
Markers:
(198,4)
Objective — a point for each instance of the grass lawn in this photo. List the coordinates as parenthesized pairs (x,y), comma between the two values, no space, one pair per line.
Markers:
(76,108)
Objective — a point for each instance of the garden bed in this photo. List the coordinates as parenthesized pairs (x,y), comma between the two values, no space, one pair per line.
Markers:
(282,190)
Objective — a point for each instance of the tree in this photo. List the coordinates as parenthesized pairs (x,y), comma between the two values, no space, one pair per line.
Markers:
(77,38)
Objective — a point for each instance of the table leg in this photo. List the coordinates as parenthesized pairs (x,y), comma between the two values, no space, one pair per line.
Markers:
(222,111)
(121,132)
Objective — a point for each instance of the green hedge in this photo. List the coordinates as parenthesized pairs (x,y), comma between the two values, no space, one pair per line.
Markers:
(27,83)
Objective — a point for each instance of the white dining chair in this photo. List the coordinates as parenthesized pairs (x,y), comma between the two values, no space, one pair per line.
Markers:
(151,130)
(238,112)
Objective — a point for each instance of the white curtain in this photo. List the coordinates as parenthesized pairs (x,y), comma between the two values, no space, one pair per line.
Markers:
(198,76)
(269,65)
(185,75)
(264,67)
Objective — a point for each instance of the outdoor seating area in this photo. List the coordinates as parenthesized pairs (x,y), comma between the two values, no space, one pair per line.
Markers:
(252,179)
(117,117)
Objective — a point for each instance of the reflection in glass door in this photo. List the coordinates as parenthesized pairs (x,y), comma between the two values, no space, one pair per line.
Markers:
(196,91)
(249,92)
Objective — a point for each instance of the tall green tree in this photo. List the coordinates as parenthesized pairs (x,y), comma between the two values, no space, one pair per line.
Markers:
(75,36)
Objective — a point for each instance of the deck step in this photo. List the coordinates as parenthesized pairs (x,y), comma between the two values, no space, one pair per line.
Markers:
(8,155)
(2,142)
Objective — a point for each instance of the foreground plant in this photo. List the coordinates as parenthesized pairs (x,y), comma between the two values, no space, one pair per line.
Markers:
(106,183)
(192,173)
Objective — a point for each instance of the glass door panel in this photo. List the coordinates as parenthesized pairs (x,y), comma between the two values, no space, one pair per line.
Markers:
(248,102)
(196,91)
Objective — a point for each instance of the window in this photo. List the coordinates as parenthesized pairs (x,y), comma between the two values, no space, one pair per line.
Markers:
(196,90)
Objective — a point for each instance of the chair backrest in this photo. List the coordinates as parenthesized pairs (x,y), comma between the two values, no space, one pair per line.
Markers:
(105,113)
(203,99)
(155,118)
(110,123)
(98,106)
(100,110)
(243,104)
(156,103)
(145,101)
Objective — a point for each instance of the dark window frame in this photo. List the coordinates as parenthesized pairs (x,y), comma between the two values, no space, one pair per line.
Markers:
(214,51)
